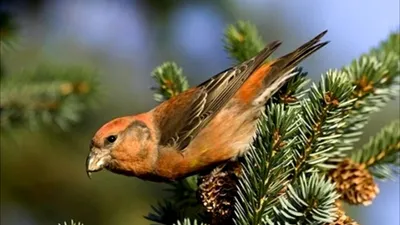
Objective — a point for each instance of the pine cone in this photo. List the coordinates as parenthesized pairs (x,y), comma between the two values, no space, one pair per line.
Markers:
(343,219)
(217,191)
(354,182)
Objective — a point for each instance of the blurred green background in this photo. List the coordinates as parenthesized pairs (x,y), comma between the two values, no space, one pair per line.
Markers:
(43,179)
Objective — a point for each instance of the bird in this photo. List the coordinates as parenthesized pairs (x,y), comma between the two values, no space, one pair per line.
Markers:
(205,126)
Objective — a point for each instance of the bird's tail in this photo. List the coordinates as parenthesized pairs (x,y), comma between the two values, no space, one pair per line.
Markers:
(271,76)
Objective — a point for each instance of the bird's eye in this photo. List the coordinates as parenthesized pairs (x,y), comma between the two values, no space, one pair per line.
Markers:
(111,138)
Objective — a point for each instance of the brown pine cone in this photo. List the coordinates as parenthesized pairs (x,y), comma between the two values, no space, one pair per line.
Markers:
(217,191)
(354,182)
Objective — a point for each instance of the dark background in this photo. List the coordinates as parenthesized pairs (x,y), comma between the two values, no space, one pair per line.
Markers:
(43,178)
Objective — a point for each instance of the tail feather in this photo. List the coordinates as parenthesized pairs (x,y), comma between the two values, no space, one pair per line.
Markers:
(291,60)
(282,69)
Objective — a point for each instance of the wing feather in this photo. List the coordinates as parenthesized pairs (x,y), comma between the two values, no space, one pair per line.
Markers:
(195,108)
(209,97)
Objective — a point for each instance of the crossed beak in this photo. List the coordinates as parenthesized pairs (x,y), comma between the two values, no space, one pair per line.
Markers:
(96,160)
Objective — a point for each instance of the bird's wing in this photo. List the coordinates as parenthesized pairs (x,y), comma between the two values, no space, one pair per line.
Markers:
(190,116)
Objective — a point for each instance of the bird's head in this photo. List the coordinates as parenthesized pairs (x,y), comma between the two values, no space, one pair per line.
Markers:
(121,146)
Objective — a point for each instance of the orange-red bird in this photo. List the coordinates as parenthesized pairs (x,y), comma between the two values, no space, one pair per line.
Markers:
(199,128)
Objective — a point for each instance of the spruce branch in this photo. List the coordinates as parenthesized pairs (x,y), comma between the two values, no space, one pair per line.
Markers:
(375,80)
(170,81)
(382,152)
(184,191)
(289,95)
(320,117)
(242,41)
(310,200)
(187,221)
(71,223)
(302,130)
(165,212)
(45,96)
(266,166)
(391,44)
(375,77)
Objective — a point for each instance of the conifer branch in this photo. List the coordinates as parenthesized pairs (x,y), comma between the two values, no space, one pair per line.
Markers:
(166,212)
(310,200)
(302,132)
(170,81)
(289,94)
(46,96)
(375,77)
(320,117)
(189,222)
(382,152)
(267,166)
(71,223)
(391,44)
(242,41)
(185,190)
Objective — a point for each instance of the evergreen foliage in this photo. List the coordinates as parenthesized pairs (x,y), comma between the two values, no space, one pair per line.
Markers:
(71,223)
(188,222)
(171,81)
(375,78)
(260,186)
(320,117)
(45,95)
(310,200)
(381,153)
(304,133)
(242,41)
